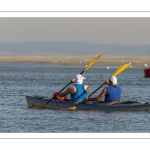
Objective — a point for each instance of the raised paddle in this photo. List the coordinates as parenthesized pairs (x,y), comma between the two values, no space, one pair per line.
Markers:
(118,71)
(87,67)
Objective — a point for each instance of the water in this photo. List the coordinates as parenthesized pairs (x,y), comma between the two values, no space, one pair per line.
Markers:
(19,80)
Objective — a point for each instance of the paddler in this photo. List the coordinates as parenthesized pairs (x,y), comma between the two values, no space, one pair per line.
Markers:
(78,91)
(111,93)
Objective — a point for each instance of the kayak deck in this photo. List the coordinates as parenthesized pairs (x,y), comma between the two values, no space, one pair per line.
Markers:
(37,102)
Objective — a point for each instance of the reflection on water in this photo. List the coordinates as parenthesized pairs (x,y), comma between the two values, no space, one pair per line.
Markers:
(19,80)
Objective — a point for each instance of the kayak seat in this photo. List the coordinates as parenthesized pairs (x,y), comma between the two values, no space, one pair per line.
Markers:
(40,97)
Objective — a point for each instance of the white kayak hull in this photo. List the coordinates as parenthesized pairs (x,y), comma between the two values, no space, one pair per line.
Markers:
(37,102)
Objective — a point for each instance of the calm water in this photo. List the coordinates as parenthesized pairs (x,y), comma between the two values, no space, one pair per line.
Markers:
(19,80)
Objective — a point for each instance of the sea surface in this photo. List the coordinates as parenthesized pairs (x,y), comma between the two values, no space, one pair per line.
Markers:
(20,79)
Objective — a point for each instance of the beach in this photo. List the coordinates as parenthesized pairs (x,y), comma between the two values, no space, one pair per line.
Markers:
(104,60)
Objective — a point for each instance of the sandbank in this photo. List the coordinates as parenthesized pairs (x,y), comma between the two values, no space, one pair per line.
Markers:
(104,60)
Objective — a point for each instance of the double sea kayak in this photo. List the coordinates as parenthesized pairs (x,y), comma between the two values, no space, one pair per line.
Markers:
(37,102)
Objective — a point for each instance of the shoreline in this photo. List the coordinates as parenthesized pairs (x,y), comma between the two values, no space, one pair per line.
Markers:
(104,60)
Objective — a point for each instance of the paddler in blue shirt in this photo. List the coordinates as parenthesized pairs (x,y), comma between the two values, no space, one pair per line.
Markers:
(111,93)
(78,91)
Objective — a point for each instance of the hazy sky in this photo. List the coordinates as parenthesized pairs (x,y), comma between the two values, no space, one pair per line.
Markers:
(93,30)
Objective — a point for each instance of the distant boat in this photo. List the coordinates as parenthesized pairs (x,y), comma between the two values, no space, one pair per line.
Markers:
(147,72)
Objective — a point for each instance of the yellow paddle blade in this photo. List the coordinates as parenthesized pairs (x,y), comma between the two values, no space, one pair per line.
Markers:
(92,62)
(122,68)
(72,108)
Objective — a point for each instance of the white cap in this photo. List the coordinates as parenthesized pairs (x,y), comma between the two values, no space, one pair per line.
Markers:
(79,79)
(113,79)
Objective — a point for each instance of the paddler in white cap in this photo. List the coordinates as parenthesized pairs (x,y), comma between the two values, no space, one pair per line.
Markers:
(111,93)
(78,91)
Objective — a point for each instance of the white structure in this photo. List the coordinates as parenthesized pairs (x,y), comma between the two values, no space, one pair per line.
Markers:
(145,65)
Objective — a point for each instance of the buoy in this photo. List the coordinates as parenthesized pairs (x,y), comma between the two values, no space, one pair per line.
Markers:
(145,65)
(147,72)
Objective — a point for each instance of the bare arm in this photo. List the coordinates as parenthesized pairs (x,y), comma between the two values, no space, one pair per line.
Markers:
(99,97)
(64,93)
(70,90)
(86,88)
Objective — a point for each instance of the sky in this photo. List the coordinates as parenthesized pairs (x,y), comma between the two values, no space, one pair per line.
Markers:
(100,30)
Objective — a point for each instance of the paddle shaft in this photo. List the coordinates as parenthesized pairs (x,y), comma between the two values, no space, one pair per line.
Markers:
(74,108)
(90,64)
(96,89)
(64,87)
(68,84)
(118,71)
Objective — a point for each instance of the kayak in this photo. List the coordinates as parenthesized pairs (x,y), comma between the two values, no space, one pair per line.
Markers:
(37,102)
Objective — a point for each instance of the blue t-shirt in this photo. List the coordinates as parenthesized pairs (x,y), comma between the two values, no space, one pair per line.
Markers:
(80,93)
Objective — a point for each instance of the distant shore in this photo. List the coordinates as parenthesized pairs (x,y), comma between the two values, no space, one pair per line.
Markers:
(79,60)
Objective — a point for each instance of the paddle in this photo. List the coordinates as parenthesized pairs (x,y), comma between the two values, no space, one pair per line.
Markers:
(87,67)
(118,71)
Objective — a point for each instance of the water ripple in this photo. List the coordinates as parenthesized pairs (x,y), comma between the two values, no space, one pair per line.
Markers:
(19,80)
